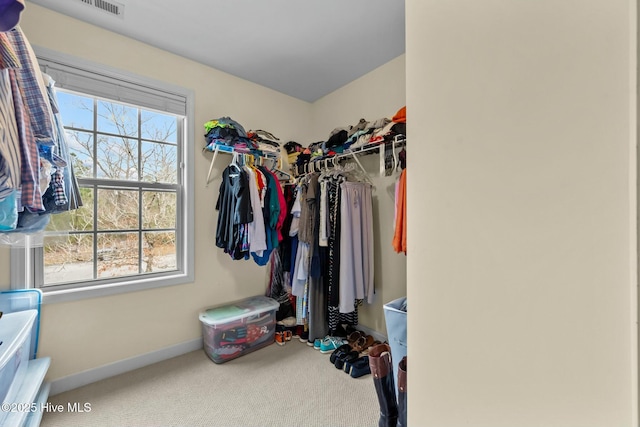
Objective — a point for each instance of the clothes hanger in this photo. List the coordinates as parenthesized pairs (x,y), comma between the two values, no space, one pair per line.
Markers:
(234,165)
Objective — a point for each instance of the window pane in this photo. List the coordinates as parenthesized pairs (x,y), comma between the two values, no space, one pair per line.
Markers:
(68,258)
(117,209)
(80,219)
(158,127)
(159,251)
(117,254)
(117,118)
(117,158)
(158,209)
(81,152)
(159,163)
(76,111)
(126,157)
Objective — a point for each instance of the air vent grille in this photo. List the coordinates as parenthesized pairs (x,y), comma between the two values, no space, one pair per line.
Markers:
(110,7)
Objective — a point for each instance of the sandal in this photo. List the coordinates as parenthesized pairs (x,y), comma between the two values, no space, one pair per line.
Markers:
(363,343)
(354,337)
(366,351)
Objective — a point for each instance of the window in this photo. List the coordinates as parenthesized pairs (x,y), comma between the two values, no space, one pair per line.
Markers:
(127,140)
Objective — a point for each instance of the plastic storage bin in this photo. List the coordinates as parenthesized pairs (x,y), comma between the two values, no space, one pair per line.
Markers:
(20,300)
(235,329)
(15,334)
(396,319)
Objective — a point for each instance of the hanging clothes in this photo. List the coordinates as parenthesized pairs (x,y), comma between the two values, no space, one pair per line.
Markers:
(33,89)
(257,233)
(63,193)
(235,213)
(400,230)
(334,264)
(356,245)
(10,159)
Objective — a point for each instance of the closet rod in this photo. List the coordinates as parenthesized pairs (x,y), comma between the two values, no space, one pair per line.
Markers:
(398,141)
(225,150)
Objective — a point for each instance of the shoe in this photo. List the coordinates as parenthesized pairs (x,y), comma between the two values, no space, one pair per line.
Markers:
(354,336)
(363,343)
(297,330)
(360,367)
(287,321)
(330,344)
(347,358)
(304,336)
(280,340)
(340,352)
(339,332)
(316,344)
(287,335)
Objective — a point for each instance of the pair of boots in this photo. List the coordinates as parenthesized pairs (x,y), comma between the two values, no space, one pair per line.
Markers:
(393,412)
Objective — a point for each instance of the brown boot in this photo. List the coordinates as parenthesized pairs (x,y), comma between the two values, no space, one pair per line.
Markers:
(382,371)
(402,392)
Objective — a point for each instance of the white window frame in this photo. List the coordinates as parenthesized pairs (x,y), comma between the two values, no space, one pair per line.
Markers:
(27,259)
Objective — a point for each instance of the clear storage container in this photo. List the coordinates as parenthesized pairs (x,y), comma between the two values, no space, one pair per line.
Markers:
(238,328)
(15,335)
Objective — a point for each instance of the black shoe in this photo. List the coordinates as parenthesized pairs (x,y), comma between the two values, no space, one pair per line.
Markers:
(341,351)
(348,358)
(339,332)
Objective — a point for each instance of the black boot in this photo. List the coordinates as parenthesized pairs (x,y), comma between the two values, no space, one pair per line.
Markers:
(382,371)
(402,392)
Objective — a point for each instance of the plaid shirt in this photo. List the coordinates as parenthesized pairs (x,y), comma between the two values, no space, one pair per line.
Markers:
(57,183)
(32,88)
(31,196)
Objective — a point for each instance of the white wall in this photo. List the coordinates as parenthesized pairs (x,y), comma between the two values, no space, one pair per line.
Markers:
(90,333)
(379,93)
(522,210)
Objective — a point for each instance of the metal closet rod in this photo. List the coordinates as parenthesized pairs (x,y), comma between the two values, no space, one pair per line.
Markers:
(235,153)
(310,166)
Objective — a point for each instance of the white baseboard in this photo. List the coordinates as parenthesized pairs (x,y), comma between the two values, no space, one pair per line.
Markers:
(120,367)
(375,334)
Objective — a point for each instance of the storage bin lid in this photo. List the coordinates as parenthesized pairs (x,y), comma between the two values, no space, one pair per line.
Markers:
(238,310)
(14,328)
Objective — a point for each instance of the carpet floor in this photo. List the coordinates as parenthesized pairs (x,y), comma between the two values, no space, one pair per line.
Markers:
(290,385)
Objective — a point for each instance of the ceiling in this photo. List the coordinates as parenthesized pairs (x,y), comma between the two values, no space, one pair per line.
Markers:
(302,48)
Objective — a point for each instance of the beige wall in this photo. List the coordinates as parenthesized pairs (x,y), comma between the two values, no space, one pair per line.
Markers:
(377,94)
(522,210)
(86,334)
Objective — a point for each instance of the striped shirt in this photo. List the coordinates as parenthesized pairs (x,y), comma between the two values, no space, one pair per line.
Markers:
(8,58)
(10,162)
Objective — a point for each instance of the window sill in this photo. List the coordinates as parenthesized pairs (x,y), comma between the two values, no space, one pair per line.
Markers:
(52,296)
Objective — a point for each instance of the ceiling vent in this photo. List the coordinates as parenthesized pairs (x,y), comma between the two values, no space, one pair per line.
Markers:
(111,7)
